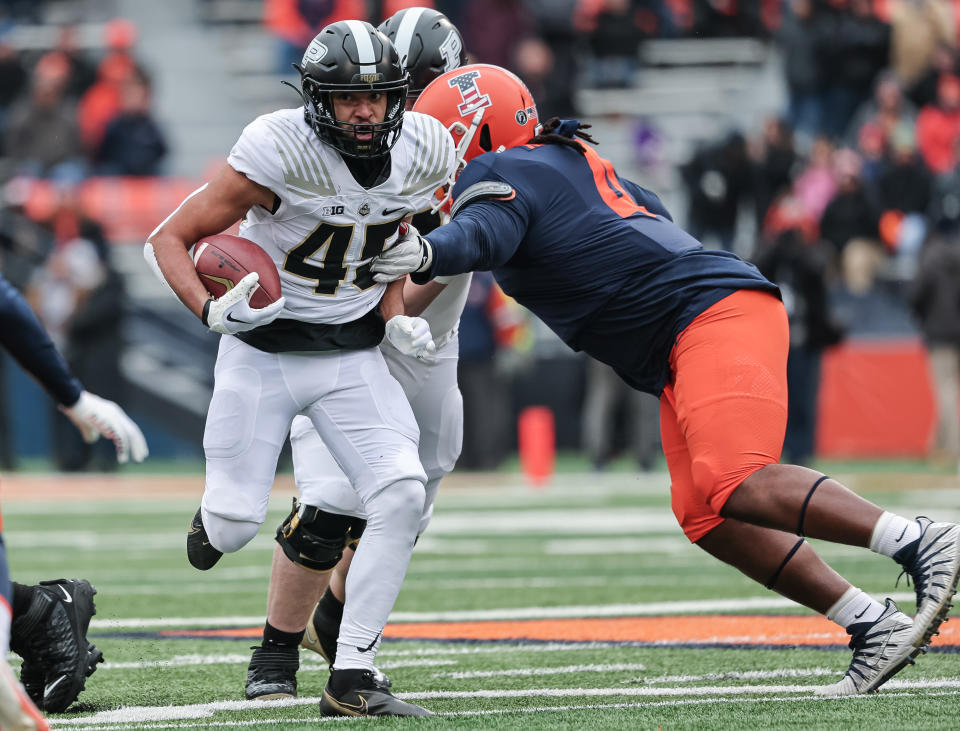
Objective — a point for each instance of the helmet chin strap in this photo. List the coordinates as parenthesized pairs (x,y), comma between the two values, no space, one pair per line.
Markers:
(463,145)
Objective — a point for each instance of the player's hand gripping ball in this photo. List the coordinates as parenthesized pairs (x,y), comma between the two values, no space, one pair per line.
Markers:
(223,260)
(243,280)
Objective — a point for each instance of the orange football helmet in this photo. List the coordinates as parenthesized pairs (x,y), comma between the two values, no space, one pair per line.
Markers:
(486,108)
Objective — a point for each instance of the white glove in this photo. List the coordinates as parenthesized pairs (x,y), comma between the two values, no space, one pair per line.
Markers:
(96,417)
(411,253)
(411,336)
(232,313)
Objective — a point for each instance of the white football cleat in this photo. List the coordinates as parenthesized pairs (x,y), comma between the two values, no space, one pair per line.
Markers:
(881,649)
(933,563)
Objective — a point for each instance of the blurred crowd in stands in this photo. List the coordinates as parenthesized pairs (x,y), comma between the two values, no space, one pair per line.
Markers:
(855,188)
(67,114)
(850,195)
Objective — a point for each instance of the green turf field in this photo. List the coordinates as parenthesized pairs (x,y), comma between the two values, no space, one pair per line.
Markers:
(577,606)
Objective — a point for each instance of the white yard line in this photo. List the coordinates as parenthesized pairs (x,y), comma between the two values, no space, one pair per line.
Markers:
(706,690)
(526,672)
(307,663)
(713,694)
(745,675)
(573,612)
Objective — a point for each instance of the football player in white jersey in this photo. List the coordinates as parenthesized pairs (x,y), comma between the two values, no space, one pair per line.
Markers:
(428,44)
(323,189)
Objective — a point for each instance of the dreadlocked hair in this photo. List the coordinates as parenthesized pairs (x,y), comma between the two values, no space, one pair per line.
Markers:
(558,131)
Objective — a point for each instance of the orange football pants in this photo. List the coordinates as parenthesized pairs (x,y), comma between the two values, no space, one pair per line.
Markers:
(723,414)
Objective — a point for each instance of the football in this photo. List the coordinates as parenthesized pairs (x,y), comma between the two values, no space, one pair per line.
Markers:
(223,260)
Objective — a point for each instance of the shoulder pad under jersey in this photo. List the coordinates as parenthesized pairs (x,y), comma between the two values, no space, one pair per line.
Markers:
(484,189)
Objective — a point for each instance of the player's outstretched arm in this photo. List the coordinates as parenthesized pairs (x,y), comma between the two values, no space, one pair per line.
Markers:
(24,337)
(481,237)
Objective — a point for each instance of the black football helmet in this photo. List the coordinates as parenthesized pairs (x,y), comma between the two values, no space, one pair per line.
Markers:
(352,55)
(428,44)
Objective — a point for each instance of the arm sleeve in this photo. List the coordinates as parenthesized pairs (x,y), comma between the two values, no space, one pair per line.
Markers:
(483,236)
(646,198)
(25,339)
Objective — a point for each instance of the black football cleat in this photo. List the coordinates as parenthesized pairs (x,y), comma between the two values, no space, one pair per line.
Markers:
(356,692)
(272,673)
(321,634)
(51,638)
(200,553)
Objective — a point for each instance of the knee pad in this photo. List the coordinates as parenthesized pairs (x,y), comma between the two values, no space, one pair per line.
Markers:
(315,539)
(400,504)
(431,489)
(228,535)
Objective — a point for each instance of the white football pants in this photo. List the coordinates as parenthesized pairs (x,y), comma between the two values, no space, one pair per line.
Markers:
(431,389)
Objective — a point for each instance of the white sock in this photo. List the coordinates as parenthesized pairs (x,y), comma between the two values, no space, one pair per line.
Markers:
(893,532)
(855,607)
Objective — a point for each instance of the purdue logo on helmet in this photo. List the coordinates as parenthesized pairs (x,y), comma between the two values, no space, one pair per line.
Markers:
(428,44)
(352,56)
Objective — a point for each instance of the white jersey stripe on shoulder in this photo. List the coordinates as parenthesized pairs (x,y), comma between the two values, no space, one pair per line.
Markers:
(291,137)
(435,161)
(368,62)
(415,154)
(292,165)
(436,153)
(442,163)
(405,33)
(303,170)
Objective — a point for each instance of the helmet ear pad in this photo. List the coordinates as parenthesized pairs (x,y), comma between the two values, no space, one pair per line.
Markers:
(484,139)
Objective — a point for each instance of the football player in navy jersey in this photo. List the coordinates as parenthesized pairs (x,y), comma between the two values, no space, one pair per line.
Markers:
(47,624)
(600,261)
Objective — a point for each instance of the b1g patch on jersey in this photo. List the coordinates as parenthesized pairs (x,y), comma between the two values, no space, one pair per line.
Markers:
(470,92)
(332,211)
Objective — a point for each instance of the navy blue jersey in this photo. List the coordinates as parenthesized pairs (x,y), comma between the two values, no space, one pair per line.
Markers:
(25,339)
(594,256)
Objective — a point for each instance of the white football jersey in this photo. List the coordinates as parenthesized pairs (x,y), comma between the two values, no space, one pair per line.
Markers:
(328,227)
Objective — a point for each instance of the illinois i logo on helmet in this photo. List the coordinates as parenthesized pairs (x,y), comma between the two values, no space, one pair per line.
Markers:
(472,98)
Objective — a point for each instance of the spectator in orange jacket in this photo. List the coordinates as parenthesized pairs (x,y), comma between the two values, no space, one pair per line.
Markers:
(938,126)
